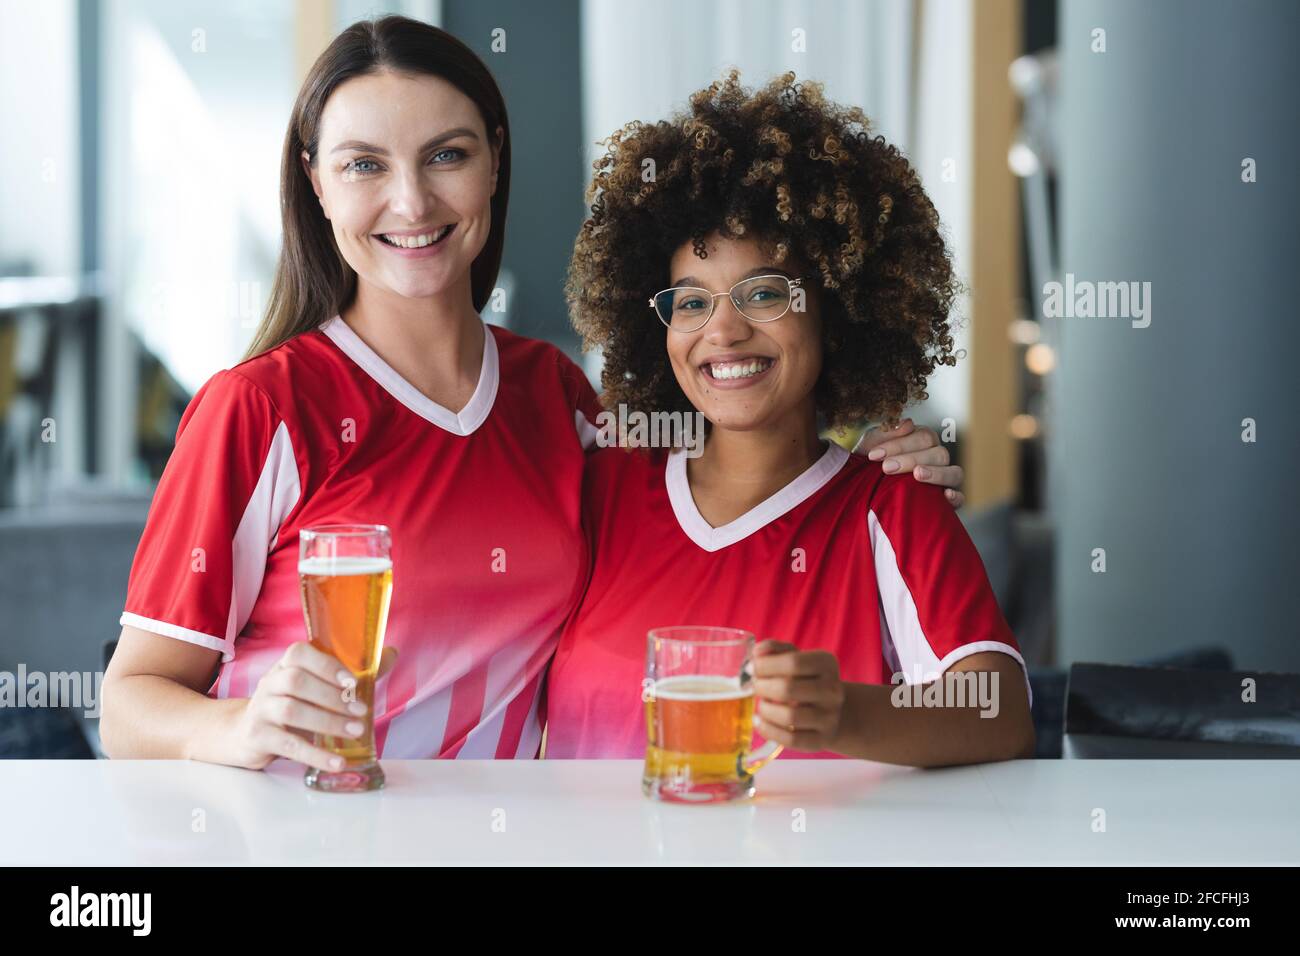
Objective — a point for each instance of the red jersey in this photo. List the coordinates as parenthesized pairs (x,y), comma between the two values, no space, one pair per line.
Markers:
(484,506)
(876,569)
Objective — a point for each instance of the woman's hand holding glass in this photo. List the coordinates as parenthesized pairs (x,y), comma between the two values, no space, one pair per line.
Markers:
(800,697)
(306,692)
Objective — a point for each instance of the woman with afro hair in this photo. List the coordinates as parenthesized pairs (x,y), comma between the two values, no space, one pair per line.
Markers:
(762,259)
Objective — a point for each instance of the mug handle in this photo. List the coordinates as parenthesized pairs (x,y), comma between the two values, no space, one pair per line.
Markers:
(770,750)
(763,756)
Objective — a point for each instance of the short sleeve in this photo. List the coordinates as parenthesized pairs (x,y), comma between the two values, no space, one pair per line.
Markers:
(582,398)
(936,603)
(226,489)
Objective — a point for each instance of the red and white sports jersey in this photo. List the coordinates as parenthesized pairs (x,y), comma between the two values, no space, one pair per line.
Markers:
(484,507)
(876,569)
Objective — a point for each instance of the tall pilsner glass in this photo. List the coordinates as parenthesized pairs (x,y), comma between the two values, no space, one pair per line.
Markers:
(346,578)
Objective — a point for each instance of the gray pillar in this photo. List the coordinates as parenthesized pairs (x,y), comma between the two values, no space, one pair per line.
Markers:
(539,77)
(1200,530)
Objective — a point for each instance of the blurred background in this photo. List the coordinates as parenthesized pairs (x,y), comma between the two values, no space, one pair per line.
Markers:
(1127,486)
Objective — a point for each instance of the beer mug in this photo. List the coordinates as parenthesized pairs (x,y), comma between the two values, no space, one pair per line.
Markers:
(345,574)
(699,715)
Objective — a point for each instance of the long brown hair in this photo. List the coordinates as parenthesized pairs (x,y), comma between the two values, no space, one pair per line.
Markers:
(312,279)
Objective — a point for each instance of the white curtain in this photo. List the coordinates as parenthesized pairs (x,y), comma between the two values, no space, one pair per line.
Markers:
(642,60)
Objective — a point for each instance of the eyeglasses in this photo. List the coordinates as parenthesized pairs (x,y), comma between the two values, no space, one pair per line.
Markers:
(759,299)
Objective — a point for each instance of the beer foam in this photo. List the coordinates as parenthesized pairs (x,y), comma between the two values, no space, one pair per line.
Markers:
(343,565)
(700,687)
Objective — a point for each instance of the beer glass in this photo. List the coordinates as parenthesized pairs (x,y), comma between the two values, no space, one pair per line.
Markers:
(699,715)
(345,574)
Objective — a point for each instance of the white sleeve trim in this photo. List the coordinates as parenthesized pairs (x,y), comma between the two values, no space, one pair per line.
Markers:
(912,653)
(978,647)
(587,432)
(907,649)
(180,633)
(275,495)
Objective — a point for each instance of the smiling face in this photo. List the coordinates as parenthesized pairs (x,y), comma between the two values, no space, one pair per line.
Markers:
(405,173)
(740,374)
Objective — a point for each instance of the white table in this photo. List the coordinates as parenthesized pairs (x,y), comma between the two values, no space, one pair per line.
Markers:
(1198,812)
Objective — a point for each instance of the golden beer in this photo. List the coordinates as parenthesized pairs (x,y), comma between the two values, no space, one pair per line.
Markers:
(345,600)
(699,714)
(698,728)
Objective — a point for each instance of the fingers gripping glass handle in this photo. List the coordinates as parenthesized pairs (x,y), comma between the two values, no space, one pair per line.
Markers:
(764,755)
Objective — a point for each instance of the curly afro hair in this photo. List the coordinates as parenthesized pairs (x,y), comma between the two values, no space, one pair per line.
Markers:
(807,179)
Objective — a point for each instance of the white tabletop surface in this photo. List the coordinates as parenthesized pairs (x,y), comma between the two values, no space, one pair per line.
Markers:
(99,812)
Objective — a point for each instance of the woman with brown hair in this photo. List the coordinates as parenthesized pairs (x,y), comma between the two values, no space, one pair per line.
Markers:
(373,393)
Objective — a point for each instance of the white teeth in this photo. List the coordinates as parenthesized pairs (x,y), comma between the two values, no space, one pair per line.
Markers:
(739,369)
(416,242)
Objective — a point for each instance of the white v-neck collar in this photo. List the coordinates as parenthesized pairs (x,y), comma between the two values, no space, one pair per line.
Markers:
(764,513)
(466,421)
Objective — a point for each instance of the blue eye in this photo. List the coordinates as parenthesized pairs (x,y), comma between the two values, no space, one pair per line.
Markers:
(355,166)
(455,154)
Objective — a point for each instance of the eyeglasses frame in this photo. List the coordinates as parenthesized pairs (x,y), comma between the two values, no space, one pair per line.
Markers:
(795,283)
